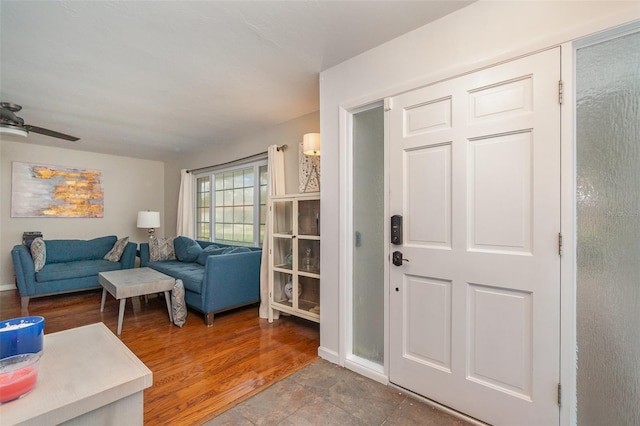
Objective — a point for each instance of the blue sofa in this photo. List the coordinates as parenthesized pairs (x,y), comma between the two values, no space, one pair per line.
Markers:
(214,280)
(71,265)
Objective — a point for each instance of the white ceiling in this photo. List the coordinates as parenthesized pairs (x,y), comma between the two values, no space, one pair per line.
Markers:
(151,78)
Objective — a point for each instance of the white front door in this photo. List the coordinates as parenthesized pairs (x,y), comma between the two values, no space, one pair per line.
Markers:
(475,173)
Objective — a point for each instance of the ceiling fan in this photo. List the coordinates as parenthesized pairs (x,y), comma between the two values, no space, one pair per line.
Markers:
(12,124)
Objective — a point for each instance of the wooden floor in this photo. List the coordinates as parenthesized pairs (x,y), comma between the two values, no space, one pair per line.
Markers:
(198,371)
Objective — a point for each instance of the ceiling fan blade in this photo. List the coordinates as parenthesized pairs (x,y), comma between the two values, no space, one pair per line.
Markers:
(51,133)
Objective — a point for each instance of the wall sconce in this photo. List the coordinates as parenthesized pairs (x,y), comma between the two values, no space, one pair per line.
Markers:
(149,220)
(311,147)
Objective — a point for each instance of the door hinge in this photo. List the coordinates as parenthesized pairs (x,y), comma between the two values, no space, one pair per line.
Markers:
(559,394)
(559,244)
(388,104)
(560,92)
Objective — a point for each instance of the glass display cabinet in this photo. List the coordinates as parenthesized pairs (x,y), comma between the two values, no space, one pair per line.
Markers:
(294,256)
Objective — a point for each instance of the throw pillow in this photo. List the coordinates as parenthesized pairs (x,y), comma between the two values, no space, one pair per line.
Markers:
(187,249)
(208,251)
(115,253)
(178,307)
(38,253)
(161,249)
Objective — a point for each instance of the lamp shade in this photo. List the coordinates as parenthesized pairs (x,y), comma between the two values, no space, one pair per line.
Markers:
(148,219)
(311,144)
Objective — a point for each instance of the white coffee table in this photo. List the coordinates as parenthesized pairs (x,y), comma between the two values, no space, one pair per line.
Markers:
(134,282)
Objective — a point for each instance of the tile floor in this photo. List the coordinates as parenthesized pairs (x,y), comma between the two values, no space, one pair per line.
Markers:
(326,394)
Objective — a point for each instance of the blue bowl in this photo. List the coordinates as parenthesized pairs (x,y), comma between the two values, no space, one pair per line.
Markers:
(22,335)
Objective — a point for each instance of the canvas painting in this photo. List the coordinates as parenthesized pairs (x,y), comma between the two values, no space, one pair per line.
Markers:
(39,190)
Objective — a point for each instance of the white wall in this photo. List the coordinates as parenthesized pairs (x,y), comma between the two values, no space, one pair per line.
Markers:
(289,133)
(479,35)
(129,185)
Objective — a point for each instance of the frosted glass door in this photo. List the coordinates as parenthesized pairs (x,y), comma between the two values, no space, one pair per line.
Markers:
(368,225)
(608,250)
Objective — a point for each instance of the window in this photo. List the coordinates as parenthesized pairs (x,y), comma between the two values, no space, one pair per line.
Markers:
(231,205)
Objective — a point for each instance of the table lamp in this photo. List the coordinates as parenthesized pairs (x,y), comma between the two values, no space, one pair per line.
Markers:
(149,220)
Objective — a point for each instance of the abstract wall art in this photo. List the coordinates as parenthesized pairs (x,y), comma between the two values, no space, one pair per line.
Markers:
(40,190)
(308,172)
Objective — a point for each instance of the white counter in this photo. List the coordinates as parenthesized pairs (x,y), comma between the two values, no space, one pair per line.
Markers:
(87,376)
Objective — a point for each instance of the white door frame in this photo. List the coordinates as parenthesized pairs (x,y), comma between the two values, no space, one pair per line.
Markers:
(347,358)
(568,359)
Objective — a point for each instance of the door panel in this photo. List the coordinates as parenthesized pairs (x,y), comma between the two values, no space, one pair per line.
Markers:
(428,117)
(500,193)
(475,172)
(432,167)
(430,342)
(498,101)
(500,327)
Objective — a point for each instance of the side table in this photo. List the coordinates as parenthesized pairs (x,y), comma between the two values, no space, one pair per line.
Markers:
(134,282)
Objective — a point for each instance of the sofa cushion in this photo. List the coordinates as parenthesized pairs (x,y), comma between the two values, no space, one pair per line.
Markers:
(190,273)
(38,253)
(79,269)
(232,250)
(116,251)
(161,249)
(59,251)
(209,251)
(209,246)
(205,244)
(187,249)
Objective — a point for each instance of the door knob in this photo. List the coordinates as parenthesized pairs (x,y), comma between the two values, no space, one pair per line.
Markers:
(398,259)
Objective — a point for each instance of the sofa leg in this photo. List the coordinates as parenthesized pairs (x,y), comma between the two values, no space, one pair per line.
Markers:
(208,319)
(24,302)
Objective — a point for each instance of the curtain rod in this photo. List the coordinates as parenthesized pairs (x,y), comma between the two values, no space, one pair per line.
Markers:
(279,148)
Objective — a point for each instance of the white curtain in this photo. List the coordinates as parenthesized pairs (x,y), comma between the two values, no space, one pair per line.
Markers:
(275,186)
(185,225)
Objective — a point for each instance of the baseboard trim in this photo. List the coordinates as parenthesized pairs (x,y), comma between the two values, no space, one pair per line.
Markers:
(328,355)
(367,369)
(7,287)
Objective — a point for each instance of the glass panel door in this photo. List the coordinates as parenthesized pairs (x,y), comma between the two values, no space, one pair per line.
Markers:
(608,226)
(368,226)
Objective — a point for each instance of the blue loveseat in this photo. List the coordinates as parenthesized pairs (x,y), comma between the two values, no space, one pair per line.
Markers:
(216,277)
(71,265)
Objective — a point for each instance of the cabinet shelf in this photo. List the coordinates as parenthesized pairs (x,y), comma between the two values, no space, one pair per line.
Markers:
(313,273)
(283,267)
(306,309)
(309,237)
(294,256)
